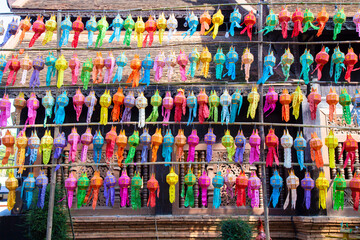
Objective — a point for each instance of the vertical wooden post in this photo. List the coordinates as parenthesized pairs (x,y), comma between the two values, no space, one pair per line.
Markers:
(261,120)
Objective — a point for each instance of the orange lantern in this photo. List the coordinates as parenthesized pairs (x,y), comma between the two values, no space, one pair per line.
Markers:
(121,142)
(98,67)
(8,141)
(332,99)
(315,149)
(285,100)
(134,77)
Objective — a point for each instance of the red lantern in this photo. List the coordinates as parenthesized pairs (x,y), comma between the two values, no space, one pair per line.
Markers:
(297,19)
(240,189)
(272,143)
(153,185)
(350,60)
(350,145)
(78,27)
(38,28)
(203,100)
(150,27)
(314,99)
(13,65)
(249,22)
(355,190)
(321,59)
(284,18)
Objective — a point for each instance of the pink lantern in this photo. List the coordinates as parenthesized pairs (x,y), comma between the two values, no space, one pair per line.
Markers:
(270,100)
(167,105)
(254,142)
(124,183)
(204,183)
(70,185)
(193,141)
(86,140)
(182,60)
(78,101)
(32,104)
(5,106)
(73,139)
(74,65)
(254,184)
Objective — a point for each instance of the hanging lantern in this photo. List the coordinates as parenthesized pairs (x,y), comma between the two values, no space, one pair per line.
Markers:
(21,144)
(191,103)
(33,144)
(354,185)
(240,142)
(3,63)
(170,62)
(217,20)
(229,182)
(98,64)
(231,58)
(70,185)
(153,186)
(83,184)
(271,22)
(339,18)
(121,62)
(331,142)
(11,184)
(321,59)
(225,102)
(168,146)
(134,77)
(50,27)
(91,26)
(109,64)
(102,26)
(287,59)
(254,142)
(192,21)
(136,185)
(110,139)
(214,102)
(356,110)
(156,141)
(180,142)
(209,139)
(338,191)
(350,145)
(66,27)
(322,19)
(297,19)
(46,145)
(98,143)
(28,189)
(322,184)
(182,60)
(167,106)
(5,107)
(287,142)
(285,100)
(124,184)
(59,144)
(345,101)
(194,58)
(247,59)
(189,180)
(171,25)
(24,26)
(205,21)
(284,19)
(217,182)
(38,28)
(161,25)
(13,65)
(308,20)
(32,104)
(314,98)
(272,143)
(121,142)
(139,29)
(315,149)
(338,59)
(86,139)
(78,27)
(78,102)
(50,63)
(129,26)
(61,102)
(350,60)
(117,25)
(155,102)
(277,183)
(307,183)
(129,103)
(8,141)
(38,64)
(271,99)
(235,19)
(228,142)
(240,189)
(10,31)
(41,182)
(141,104)
(133,142)
(219,60)
(249,22)
(292,183)
(205,58)
(105,102)
(253,99)
(332,99)
(159,65)
(118,100)
(204,183)
(19,104)
(90,102)
(25,65)
(96,183)
(193,141)
(254,184)
(203,100)
(150,27)
(306,60)
(180,104)
(61,65)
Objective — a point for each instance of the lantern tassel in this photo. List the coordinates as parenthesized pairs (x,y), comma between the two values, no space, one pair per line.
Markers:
(116,34)
(204,196)
(241,196)
(189,197)
(192,114)
(332,157)
(80,197)
(34,80)
(248,29)
(166,114)
(50,73)
(154,115)
(104,112)
(267,73)
(33,155)
(191,154)
(41,197)
(307,199)
(239,155)
(75,73)
(64,38)
(338,69)
(225,115)
(284,29)
(235,110)
(166,153)
(84,153)
(135,198)
(7,37)
(131,154)
(70,198)
(23,77)
(254,154)
(209,152)
(338,197)
(144,153)
(219,69)
(127,37)
(118,74)
(59,114)
(355,196)
(97,155)
(231,70)
(253,194)
(233,25)
(217,198)
(322,199)
(275,197)
(271,156)
(126,115)
(124,195)
(152,198)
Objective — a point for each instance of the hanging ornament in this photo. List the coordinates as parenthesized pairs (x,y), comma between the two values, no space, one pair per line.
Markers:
(167,106)
(70,185)
(180,104)
(78,102)
(180,142)
(271,99)
(240,142)
(253,99)
(345,101)
(121,62)
(219,60)
(21,144)
(292,183)
(331,142)
(350,60)
(134,77)
(32,104)
(46,145)
(139,29)
(205,21)
(339,18)
(225,102)
(284,19)
(314,98)
(98,143)
(109,64)
(254,184)
(228,142)
(136,185)
(254,142)
(129,103)
(272,143)
(231,58)
(189,180)
(354,185)
(155,102)
(240,189)
(99,64)
(168,146)
(5,110)
(83,184)
(271,22)
(41,182)
(194,59)
(308,20)
(110,139)
(133,142)
(38,64)
(33,144)
(205,58)
(306,60)
(285,100)
(297,19)
(156,141)
(121,142)
(117,24)
(307,183)
(90,102)
(124,184)
(61,65)
(210,140)
(249,21)
(322,184)
(321,59)
(78,27)
(191,103)
(217,182)
(118,100)
(61,102)
(150,27)
(28,190)
(235,20)
(50,63)
(8,141)
(217,20)
(332,99)
(141,104)
(19,104)
(337,58)
(153,186)
(25,65)
(356,20)
(24,26)
(171,25)
(86,139)
(170,62)
(204,183)
(338,191)
(38,28)
(277,183)
(192,21)
(11,184)
(91,27)
(159,65)
(102,26)
(322,19)
(203,100)
(182,60)
(3,63)
(350,145)
(315,150)
(214,102)
(73,140)
(287,142)
(86,73)
(161,26)
(10,31)
(96,183)
(356,110)
(66,27)
(105,102)
(269,64)
(193,141)
(287,59)
(59,144)
(13,65)
(50,27)
(129,26)
(247,59)
(145,140)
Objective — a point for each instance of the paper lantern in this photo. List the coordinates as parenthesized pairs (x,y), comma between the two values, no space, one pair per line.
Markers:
(191,103)
(24,26)
(249,22)
(70,185)
(205,21)
(32,104)
(139,29)
(192,21)
(50,27)
(297,19)
(314,98)
(246,60)
(307,183)
(292,183)
(229,182)
(98,143)
(11,184)
(167,106)
(21,144)
(205,58)
(105,102)
(182,60)
(254,142)
(28,189)
(284,19)
(180,104)
(83,184)
(322,184)
(170,62)
(5,108)
(133,142)
(253,99)
(339,18)
(13,65)
(189,180)
(155,102)
(354,185)
(109,64)
(285,100)
(96,183)
(86,139)
(161,26)
(345,101)
(204,183)
(61,65)
(217,20)
(254,184)
(217,182)
(287,142)
(228,142)
(235,19)
(124,184)
(90,102)
(121,142)
(50,63)
(287,59)
(159,65)
(321,59)
(350,60)
(59,144)
(34,145)
(129,103)
(271,22)
(331,142)
(172,179)
(209,139)
(102,26)
(98,65)
(153,186)
(41,182)
(78,102)
(322,19)
(110,139)
(46,145)
(271,99)
(129,26)
(240,142)
(118,100)
(136,185)
(10,31)
(3,63)
(272,143)
(8,141)
(356,20)
(338,191)
(180,142)
(296,99)
(337,59)
(241,184)
(156,141)
(276,183)
(117,24)
(225,102)
(231,58)
(78,27)
(193,141)
(25,65)
(306,59)
(203,100)
(150,28)
(19,104)
(167,146)
(141,104)
(315,149)
(121,62)
(214,102)
(350,145)
(332,99)
(308,20)
(61,102)
(219,60)
(134,77)
(38,28)
(38,64)
(86,73)
(171,25)
(66,27)
(356,110)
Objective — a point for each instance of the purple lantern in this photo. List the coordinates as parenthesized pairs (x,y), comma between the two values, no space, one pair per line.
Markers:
(240,142)
(270,100)
(209,139)
(59,144)
(307,183)
(124,183)
(38,65)
(109,190)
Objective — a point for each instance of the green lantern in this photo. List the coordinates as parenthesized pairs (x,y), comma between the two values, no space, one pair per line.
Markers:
(214,102)
(308,20)
(338,191)
(155,101)
(133,142)
(83,184)
(136,184)
(190,180)
(345,101)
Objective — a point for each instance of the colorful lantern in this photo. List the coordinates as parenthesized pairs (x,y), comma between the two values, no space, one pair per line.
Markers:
(338,59)
(98,64)
(124,184)
(321,59)
(32,104)
(33,144)
(284,19)
(205,21)
(219,60)
(235,19)
(156,141)
(247,59)
(90,102)
(287,142)
(61,65)
(96,183)
(129,26)
(217,20)
(292,183)
(231,58)
(331,142)
(73,140)
(205,58)
(297,19)
(277,183)
(66,27)
(190,180)
(98,142)
(350,60)
(322,184)
(339,18)
(38,65)
(269,64)
(13,65)
(356,20)
(270,100)
(78,102)
(271,22)
(254,142)
(78,27)
(306,60)
(59,144)
(21,144)
(50,63)
(355,190)
(110,139)
(121,142)
(240,189)
(109,64)
(150,27)
(153,186)
(19,104)
(272,143)
(129,103)
(229,182)
(180,104)
(159,65)
(121,62)
(133,142)
(155,102)
(217,182)
(28,189)
(225,102)
(141,104)
(350,145)
(191,103)
(102,26)
(38,28)
(41,182)
(117,25)
(134,77)
(240,142)
(167,106)
(170,62)
(193,141)
(136,185)
(254,184)
(3,63)
(46,145)
(180,142)
(86,139)
(228,142)
(314,98)
(10,31)
(61,102)
(203,100)
(91,27)
(345,101)
(285,100)
(5,107)
(171,25)
(24,26)
(161,25)
(204,183)
(192,21)
(332,99)
(253,99)
(51,27)
(338,191)
(25,65)
(83,184)
(8,141)
(118,100)
(287,59)
(315,149)
(307,183)
(356,104)
(209,139)
(249,22)
(322,19)
(168,146)
(139,29)
(70,185)
(182,60)
(214,102)
(308,20)
(105,102)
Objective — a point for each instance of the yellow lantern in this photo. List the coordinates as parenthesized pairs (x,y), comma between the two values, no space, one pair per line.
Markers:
(105,102)
(11,184)
(21,144)
(205,58)
(61,65)
(172,179)
(161,25)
